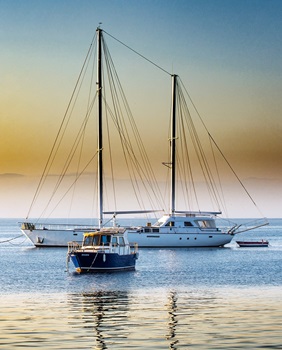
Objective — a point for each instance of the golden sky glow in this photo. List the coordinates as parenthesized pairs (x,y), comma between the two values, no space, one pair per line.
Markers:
(227,54)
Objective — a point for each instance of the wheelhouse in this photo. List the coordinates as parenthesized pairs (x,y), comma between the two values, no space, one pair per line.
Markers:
(103,239)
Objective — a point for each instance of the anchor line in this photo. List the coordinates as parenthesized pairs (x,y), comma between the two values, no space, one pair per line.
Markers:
(12,239)
(92,262)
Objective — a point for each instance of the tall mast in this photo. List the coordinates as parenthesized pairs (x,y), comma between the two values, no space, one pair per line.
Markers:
(100,135)
(172,146)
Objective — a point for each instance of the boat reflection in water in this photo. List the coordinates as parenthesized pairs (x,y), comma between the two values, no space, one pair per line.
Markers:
(120,320)
(153,318)
(172,311)
(105,312)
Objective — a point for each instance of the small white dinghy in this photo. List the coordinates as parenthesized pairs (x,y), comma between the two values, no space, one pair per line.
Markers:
(249,244)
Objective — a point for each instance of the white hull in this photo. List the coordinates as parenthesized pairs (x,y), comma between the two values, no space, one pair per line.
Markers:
(179,240)
(54,235)
(60,238)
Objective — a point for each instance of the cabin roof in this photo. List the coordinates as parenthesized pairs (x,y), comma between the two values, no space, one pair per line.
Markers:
(111,231)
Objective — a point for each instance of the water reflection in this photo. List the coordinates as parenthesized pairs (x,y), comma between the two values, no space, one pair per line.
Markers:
(144,319)
(104,312)
(172,311)
(117,319)
(120,319)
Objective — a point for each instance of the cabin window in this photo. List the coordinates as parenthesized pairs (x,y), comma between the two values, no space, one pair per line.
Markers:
(206,223)
(147,230)
(114,241)
(158,223)
(96,240)
(156,230)
(188,223)
(121,241)
(88,240)
(170,223)
(105,240)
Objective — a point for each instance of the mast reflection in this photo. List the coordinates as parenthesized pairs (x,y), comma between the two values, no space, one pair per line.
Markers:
(103,311)
(172,309)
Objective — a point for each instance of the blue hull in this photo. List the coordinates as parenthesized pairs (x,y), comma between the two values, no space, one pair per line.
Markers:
(101,262)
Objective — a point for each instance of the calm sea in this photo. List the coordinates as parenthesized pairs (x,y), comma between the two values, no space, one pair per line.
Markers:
(219,298)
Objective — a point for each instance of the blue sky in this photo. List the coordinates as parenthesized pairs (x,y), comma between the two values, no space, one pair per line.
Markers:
(228,53)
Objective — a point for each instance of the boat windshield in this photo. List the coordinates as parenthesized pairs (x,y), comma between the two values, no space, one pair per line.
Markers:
(105,240)
(96,240)
(160,222)
(88,240)
(93,240)
(206,223)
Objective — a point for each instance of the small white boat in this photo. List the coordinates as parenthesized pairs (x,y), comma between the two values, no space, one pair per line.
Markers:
(249,244)
(106,250)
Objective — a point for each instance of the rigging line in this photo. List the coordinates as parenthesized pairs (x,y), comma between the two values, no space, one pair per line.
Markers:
(147,169)
(127,156)
(187,165)
(57,141)
(119,120)
(80,134)
(110,145)
(78,137)
(75,181)
(78,165)
(128,152)
(137,53)
(203,162)
(74,147)
(114,96)
(233,171)
(88,111)
(194,106)
(61,126)
(70,157)
(210,182)
(193,135)
(219,179)
(130,158)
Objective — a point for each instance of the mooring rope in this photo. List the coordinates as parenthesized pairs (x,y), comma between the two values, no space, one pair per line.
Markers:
(12,239)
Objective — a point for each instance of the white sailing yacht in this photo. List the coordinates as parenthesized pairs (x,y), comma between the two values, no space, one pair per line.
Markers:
(174,229)
(182,228)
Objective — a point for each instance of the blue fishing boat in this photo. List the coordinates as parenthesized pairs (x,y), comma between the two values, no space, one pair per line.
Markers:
(103,251)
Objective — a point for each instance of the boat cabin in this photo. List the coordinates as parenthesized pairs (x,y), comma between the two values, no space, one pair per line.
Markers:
(184,221)
(190,223)
(103,239)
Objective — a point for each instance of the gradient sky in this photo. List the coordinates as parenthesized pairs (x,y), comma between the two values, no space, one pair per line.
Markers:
(227,52)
